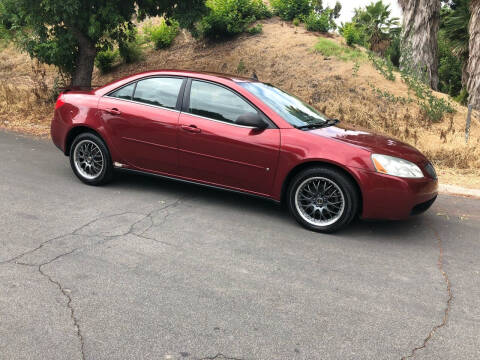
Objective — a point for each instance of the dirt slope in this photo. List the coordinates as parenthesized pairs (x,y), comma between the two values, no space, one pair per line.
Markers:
(282,55)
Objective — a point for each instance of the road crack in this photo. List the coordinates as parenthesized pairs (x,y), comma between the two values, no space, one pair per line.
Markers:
(449,299)
(66,294)
(220,356)
(102,239)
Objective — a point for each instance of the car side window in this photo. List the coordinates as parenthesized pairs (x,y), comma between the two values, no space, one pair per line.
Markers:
(216,102)
(125,92)
(161,91)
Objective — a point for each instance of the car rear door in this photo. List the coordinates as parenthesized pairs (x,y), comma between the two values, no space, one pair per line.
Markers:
(142,120)
(216,150)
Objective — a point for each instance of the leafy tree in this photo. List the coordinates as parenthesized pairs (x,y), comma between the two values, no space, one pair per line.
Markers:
(70,33)
(450,66)
(291,9)
(454,18)
(322,19)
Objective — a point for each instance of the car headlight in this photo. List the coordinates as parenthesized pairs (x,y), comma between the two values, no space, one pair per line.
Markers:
(395,166)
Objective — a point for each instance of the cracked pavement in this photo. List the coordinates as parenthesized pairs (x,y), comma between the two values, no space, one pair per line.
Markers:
(146,268)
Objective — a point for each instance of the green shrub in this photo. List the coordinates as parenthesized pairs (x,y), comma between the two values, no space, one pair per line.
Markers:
(352,34)
(105,59)
(257,29)
(296,22)
(130,50)
(433,107)
(321,22)
(450,67)
(260,9)
(290,9)
(162,35)
(393,51)
(329,47)
(462,98)
(383,65)
(228,18)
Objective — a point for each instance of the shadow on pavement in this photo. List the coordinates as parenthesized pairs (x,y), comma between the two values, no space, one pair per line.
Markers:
(408,228)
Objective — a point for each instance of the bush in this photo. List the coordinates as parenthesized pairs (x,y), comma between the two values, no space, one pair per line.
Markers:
(296,22)
(105,59)
(257,29)
(162,35)
(462,98)
(228,18)
(130,50)
(290,9)
(322,22)
(450,67)
(393,51)
(352,34)
(383,65)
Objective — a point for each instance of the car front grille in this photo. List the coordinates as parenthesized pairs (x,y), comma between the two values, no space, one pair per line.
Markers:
(431,171)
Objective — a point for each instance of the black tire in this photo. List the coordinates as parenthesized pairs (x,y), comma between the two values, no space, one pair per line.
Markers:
(343,183)
(106,173)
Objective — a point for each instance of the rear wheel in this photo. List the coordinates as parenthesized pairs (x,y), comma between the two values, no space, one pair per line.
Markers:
(90,159)
(322,199)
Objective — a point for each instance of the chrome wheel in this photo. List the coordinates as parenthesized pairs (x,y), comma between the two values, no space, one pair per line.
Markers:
(319,201)
(88,159)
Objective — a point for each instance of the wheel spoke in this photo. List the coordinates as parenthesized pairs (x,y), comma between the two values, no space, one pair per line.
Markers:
(320,201)
(88,159)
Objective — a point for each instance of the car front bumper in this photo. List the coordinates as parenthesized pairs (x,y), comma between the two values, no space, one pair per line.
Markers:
(393,198)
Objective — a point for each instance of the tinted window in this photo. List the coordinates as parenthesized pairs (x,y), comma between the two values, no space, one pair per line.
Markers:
(290,108)
(158,91)
(216,102)
(125,92)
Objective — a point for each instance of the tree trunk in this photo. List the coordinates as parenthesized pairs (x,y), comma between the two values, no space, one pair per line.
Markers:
(82,76)
(421,19)
(464,74)
(473,67)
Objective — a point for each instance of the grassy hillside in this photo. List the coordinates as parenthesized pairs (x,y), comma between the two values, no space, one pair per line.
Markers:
(343,83)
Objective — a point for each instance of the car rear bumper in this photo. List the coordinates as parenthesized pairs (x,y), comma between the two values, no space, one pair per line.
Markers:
(394,198)
(58,132)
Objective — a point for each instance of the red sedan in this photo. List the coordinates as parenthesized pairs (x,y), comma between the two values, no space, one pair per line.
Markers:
(243,135)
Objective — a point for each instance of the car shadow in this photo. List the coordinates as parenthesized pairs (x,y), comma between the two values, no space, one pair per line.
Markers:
(154,185)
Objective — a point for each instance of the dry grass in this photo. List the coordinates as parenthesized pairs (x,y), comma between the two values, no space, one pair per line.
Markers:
(283,55)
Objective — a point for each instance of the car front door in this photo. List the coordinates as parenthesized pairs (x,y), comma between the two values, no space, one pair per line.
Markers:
(216,150)
(142,119)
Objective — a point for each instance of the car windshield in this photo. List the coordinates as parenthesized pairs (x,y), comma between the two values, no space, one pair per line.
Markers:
(290,108)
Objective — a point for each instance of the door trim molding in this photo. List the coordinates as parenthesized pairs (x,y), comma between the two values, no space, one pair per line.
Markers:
(223,159)
(200,183)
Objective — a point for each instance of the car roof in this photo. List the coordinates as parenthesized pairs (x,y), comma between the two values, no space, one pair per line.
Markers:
(187,73)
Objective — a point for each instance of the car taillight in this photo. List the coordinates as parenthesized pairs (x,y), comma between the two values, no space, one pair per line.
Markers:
(59,102)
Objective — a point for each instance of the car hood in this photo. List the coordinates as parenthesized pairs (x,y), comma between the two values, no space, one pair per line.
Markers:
(374,143)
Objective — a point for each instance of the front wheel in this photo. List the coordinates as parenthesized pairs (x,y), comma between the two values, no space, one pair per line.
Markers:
(90,159)
(322,199)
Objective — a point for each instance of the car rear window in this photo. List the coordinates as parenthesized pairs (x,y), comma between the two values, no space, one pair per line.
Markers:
(125,92)
(159,91)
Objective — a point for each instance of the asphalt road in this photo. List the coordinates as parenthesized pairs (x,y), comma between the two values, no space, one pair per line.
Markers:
(146,268)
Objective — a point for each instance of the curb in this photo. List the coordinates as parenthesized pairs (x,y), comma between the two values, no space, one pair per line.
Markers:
(458,191)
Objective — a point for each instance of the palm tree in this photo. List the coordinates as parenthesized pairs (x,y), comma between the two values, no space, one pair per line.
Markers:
(473,67)
(376,22)
(421,19)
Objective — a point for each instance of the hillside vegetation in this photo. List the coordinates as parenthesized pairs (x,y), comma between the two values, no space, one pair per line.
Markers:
(339,80)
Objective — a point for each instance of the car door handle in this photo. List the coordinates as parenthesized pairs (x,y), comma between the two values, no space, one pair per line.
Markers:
(113,111)
(191,128)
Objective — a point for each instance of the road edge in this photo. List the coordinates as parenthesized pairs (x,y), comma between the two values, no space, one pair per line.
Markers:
(456,190)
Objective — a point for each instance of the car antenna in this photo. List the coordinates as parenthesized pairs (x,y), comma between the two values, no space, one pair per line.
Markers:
(254,75)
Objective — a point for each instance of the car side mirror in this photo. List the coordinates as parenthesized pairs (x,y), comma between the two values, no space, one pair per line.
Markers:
(253,120)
